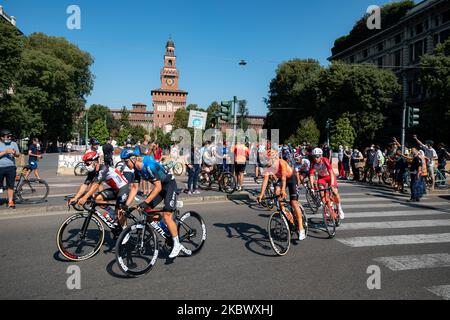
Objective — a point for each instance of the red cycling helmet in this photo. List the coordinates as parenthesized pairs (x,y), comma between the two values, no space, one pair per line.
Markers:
(90,156)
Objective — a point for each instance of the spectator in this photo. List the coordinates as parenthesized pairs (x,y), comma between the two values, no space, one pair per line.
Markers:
(341,170)
(158,152)
(69,147)
(34,154)
(129,143)
(346,162)
(241,154)
(415,172)
(443,155)
(144,149)
(400,166)
(431,156)
(9,150)
(193,165)
(423,173)
(357,163)
(370,161)
(379,162)
(327,152)
(108,152)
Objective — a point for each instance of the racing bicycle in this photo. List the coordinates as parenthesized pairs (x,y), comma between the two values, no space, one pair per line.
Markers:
(283,226)
(81,236)
(137,247)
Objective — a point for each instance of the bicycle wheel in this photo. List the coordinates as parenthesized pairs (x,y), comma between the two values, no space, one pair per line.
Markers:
(328,221)
(192,232)
(228,183)
(32,191)
(80,169)
(268,202)
(178,169)
(204,181)
(279,233)
(312,202)
(137,249)
(76,245)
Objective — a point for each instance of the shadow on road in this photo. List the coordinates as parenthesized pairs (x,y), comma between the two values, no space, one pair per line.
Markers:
(60,258)
(118,274)
(253,235)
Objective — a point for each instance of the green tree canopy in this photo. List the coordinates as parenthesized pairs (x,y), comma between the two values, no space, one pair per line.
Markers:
(435,77)
(344,135)
(99,131)
(307,132)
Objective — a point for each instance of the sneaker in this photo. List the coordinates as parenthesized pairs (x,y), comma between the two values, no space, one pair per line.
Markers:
(196,192)
(176,251)
(341,214)
(301,235)
(11,205)
(190,193)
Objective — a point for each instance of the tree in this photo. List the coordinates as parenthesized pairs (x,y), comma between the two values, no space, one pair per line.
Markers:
(292,95)
(345,134)
(307,132)
(98,111)
(138,133)
(52,81)
(99,131)
(180,119)
(11,47)
(435,77)
(211,110)
(364,92)
(242,115)
(124,118)
(122,137)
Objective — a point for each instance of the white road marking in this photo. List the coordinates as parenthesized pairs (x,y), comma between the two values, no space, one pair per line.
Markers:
(441,291)
(414,262)
(395,224)
(395,240)
(375,214)
(423,205)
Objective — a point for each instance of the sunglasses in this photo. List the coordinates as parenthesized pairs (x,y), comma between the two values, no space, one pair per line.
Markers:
(7,136)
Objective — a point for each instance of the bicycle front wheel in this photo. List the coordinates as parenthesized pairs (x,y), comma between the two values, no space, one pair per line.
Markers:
(279,233)
(137,250)
(228,183)
(80,237)
(192,232)
(80,169)
(32,191)
(328,221)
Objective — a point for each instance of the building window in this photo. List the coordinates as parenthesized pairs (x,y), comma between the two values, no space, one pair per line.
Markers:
(446,16)
(380,62)
(398,58)
(419,28)
(426,25)
(435,39)
(398,38)
(365,53)
(380,46)
(444,35)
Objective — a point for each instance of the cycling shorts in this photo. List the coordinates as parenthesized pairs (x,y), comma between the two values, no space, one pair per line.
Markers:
(169,195)
(326,181)
(120,195)
(291,184)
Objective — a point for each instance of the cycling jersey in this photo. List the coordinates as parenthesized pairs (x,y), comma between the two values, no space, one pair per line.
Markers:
(111,176)
(284,169)
(323,169)
(303,166)
(153,171)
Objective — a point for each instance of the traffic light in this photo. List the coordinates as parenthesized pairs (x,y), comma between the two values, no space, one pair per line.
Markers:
(226,111)
(413,117)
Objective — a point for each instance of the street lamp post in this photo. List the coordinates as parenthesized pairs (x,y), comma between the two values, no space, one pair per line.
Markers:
(87,129)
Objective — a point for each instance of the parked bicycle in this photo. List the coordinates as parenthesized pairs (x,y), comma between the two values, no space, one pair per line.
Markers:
(283,226)
(137,247)
(225,180)
(30,191)
(175,167)
(441,179)
(81,236)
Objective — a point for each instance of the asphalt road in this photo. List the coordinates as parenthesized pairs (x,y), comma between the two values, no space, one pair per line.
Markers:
(409,243)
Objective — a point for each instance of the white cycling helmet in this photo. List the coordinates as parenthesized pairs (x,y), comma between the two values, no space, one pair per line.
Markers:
(317,152)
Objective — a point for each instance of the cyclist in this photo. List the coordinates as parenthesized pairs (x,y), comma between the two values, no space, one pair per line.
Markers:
(165,188)
(302,166)
(118,190)
(286,178)
(326,175)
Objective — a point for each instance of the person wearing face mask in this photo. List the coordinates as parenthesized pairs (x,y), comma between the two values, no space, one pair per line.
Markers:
(34,154)
(8,152)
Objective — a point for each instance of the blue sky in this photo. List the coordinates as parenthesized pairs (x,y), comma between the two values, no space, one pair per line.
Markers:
(127,40)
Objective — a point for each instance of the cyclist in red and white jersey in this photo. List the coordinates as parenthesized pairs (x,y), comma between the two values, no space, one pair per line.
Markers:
(118,190)
(326,176)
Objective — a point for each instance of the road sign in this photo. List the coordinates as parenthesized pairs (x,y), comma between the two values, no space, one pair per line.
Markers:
(197,120)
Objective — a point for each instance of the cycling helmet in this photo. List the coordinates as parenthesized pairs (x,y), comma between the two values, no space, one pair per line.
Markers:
(128,153)
(90,156)
(317,152)
(94,142)
(5,132)
(298,157)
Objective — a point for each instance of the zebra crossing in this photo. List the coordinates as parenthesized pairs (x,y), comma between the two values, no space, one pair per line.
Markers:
(407,225)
